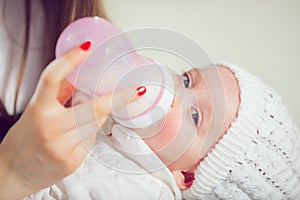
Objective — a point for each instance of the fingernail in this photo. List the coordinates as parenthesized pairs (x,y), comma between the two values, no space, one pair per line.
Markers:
(141,90)
(85,46)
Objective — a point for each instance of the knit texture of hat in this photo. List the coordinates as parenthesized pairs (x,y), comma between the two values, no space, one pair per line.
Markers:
(259,156)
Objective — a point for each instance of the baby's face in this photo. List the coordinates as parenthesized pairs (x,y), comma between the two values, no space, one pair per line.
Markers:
(178,139)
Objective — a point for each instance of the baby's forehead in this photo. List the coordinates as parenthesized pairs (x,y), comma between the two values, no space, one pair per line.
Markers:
(204,71)
(194,69)
(195,72)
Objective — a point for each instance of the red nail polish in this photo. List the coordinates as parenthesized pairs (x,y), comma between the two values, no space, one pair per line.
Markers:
(86,45)
(141,90)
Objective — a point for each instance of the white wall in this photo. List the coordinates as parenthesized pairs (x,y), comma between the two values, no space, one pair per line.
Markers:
(262,36)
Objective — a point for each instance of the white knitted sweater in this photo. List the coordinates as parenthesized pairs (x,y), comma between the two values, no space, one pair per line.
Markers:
(259,156)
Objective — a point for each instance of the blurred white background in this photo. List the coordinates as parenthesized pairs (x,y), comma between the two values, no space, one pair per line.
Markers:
(261,36)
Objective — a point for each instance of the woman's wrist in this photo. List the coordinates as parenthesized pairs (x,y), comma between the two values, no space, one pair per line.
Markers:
(8,190)
(10,187)
(5,182)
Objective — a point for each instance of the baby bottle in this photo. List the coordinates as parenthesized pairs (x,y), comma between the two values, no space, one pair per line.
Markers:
(113,64)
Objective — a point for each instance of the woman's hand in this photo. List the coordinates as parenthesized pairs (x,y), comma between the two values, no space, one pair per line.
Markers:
(44,145)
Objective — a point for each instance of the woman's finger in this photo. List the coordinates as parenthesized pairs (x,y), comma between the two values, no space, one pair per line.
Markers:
(104,105)
(54,74)
(95,110)
(85,134)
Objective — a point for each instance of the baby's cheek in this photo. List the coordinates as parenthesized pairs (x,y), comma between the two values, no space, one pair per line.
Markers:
(170,129)
(172,126)
(164,132)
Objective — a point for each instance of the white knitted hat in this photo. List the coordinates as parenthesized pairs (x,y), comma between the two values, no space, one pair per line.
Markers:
(241,165)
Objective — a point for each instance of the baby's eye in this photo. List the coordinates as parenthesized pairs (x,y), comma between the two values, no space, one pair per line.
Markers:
(186,80)
(195,116)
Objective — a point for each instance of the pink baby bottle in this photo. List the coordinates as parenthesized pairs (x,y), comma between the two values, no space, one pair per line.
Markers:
(113,64)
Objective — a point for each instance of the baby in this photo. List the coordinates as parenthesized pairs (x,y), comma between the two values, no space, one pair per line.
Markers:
(226,136)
